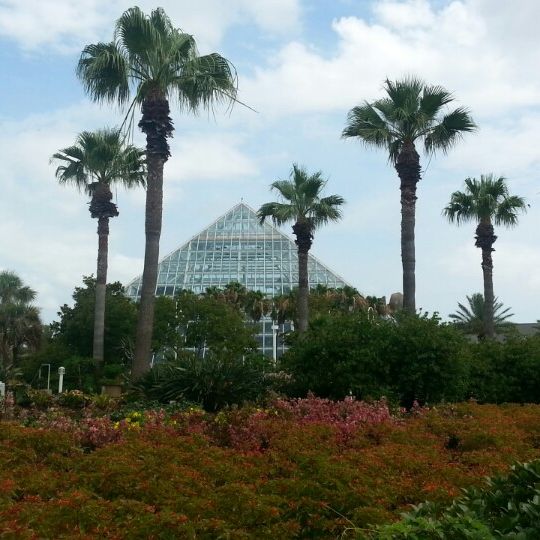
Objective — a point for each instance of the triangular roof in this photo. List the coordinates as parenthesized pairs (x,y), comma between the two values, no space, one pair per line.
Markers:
(237,247)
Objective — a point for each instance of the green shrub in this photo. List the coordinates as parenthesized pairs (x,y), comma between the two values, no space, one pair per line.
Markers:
(73,399)
(213,381)
(507,507)
(506,371)
(413,358)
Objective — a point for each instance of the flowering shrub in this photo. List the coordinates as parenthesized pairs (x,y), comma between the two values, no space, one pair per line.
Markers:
(296,469)
(73,399)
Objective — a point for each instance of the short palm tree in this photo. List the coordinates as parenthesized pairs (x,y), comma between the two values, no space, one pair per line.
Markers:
(256,305)
(485,202)
(412,112)
(302,204)
(471,318)
(96,161)
(20,324)
(149,62)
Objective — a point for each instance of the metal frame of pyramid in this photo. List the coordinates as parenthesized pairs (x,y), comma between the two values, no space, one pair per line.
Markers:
(237,247)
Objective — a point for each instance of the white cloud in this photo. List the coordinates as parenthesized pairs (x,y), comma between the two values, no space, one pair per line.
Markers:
(508,148)
(461,46)
(217,157)
(66,26)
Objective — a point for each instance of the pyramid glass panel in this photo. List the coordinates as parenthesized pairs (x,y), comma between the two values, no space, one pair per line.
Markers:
(237,247)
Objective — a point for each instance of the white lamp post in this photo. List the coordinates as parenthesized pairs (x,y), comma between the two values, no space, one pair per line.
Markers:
(61,371)
(275,328)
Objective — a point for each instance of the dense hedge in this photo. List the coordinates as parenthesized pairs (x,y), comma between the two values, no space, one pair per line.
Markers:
(412,358)
(415,358)
(302,469)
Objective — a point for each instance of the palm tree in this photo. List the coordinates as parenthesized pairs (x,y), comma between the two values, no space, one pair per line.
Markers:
(471,318)
(256,305)
(20,325)
(304,206)
(96,161)
(411,112)
(153,61)
(486,202)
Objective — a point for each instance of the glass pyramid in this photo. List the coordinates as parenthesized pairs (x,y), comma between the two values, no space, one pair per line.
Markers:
(236,247)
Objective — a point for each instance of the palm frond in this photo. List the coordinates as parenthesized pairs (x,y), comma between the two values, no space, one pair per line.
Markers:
(445,134)
(366,124)
(104,72)
(204,81)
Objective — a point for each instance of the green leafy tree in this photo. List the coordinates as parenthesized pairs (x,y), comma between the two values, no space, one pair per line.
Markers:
(470,318)
(20,325)
(93,164)
(74,329)
(200,323)
(303,205)
(486,202)
(412,112)
(150,62)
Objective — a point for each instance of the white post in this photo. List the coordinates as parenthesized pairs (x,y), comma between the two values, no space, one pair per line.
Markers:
(2,389)
(274,341)
(61,371)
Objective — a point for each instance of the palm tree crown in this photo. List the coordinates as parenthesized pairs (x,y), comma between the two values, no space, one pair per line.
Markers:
(148,55)
(302,201)
(100,157)
(411,111)
(471,318)
(486,199)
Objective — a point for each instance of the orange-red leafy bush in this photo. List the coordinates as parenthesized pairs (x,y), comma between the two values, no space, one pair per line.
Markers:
(284,472)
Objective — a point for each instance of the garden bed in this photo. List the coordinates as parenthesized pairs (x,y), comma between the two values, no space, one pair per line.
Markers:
(297,469)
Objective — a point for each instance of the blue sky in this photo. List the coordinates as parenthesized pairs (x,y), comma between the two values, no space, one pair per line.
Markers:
(302,65)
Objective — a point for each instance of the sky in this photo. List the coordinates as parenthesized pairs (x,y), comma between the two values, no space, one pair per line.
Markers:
(302,65)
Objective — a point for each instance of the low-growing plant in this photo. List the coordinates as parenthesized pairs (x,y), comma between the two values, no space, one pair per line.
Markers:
(73,399)
(506,507)
(212,381)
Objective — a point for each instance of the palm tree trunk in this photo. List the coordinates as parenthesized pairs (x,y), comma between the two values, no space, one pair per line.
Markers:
(485,238)
(408,169)
(101,286)
(157,126)
(304,238)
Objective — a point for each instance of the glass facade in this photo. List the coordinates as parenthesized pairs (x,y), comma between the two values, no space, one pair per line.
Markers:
(236,247)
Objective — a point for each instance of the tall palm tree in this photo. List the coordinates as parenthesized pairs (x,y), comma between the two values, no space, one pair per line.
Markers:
(96,161)
(412,112)
(486,202)
(303,205)
(471,318)
(20,325)
(149,62)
